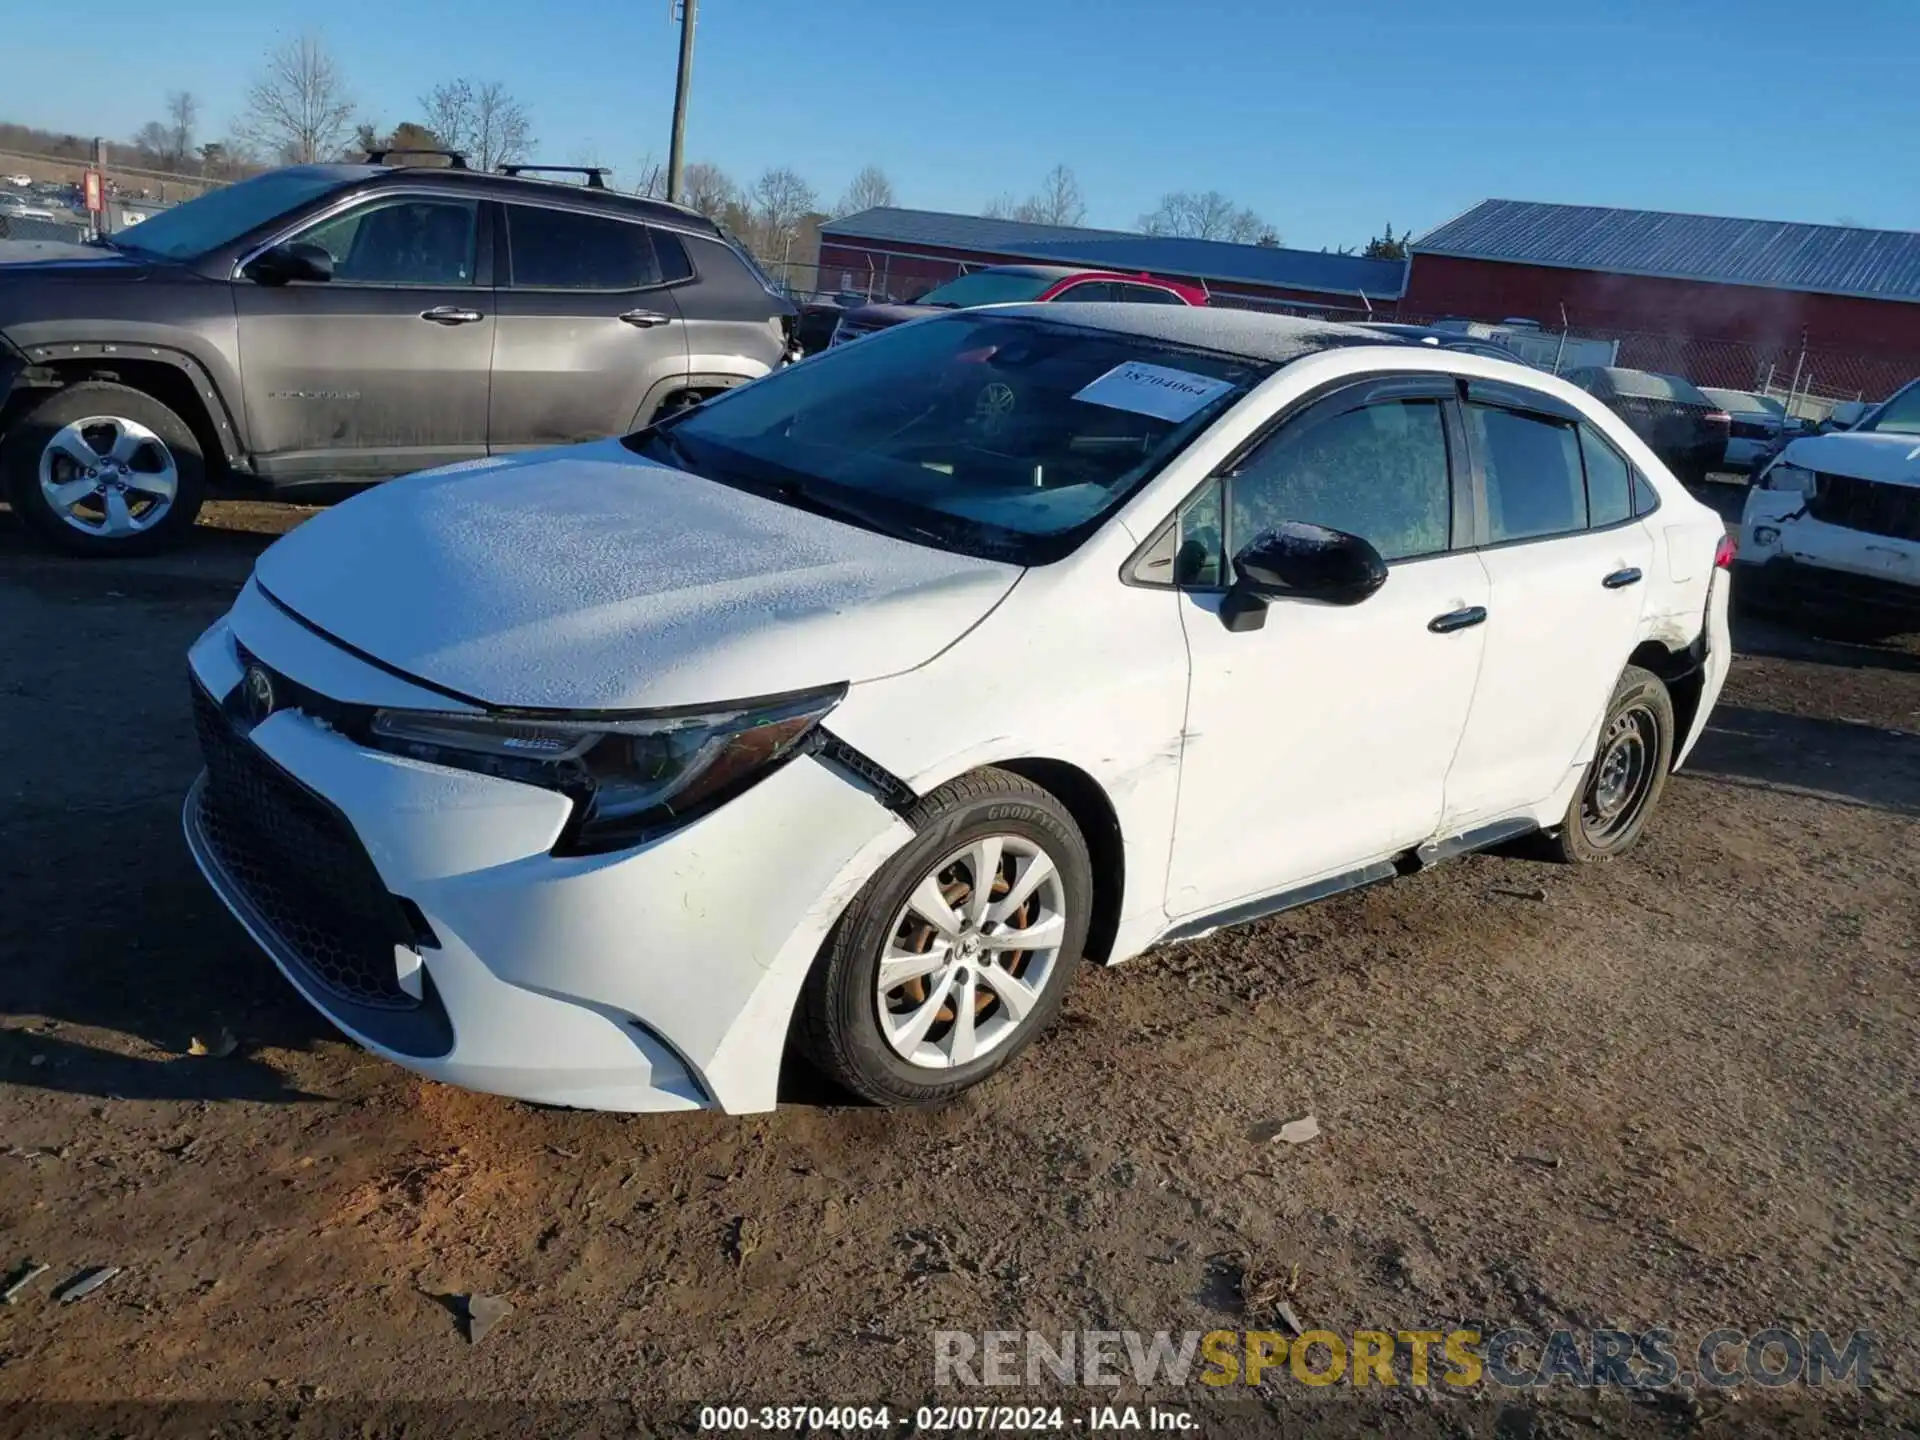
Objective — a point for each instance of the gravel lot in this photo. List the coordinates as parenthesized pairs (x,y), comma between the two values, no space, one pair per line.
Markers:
(1677,1090)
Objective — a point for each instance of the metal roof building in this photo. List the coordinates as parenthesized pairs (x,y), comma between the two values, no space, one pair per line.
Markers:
(1771,286)
(902,253)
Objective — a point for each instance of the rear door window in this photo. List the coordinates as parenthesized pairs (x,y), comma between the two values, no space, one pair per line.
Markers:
(1087,290)
(1535,480)
(1609,481)
(1148,295)
(671,255)
(568,250)
(1379,471)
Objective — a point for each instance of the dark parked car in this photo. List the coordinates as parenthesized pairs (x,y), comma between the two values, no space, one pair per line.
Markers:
(1021,284)
(323,324)
(1678,422)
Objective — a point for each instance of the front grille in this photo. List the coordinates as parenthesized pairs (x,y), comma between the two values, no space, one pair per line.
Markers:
(301,868)
(1867,505)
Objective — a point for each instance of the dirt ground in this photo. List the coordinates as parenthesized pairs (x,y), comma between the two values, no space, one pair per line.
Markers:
(1676,1091)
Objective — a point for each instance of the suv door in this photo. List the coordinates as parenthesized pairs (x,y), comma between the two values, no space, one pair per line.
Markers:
(1320,742)
(382,369)
(1568,563)
(588,327)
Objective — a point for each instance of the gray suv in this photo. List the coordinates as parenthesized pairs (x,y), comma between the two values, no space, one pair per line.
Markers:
(339,324)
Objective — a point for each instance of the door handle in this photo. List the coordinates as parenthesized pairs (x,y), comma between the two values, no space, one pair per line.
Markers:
(451,315)
(646,319)
(1620,579)
(1458,620)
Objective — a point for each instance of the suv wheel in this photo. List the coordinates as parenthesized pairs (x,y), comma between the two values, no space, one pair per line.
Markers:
(1626,776)
(958,951)
(104,469)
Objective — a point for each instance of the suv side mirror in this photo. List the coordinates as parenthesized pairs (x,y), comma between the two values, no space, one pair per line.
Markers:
(1300,562)
(1848,414)
(296,260)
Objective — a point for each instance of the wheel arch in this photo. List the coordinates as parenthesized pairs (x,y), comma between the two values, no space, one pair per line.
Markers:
(1683,671)
(1086,800)
(175,379)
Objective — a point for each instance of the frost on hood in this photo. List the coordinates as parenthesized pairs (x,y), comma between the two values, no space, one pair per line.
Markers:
(591,578)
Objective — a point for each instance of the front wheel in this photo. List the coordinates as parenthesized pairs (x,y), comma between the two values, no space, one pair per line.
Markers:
(1627,775)
(104,469)
(959,950)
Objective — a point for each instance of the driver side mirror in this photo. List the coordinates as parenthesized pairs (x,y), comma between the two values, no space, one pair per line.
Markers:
(1298,561)
(296,260)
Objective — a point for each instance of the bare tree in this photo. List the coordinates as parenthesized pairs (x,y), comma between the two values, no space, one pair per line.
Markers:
(1058,202)
(151,140)
(183,118)
(707,188)
(869,191)
(1205,215)
(298,111)
(781,200)
(650,178)
(481,119)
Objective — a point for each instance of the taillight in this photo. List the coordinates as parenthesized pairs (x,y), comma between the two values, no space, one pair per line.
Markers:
(1720,417)
(1724,552)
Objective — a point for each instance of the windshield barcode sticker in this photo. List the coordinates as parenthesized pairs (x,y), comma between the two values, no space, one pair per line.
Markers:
(1153,390)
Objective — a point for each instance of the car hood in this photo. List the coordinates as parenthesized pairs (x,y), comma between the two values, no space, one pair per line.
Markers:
(1890,459)
(592,579)
(37,260)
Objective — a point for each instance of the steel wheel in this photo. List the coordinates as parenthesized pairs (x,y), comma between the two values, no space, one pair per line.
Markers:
(110,476)
(1622,776)
(971,952)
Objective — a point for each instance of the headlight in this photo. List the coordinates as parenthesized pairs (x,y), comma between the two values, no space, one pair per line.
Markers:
(1790,477)
(630,779)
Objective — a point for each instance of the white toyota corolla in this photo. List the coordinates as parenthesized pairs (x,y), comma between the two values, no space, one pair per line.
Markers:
(857,706)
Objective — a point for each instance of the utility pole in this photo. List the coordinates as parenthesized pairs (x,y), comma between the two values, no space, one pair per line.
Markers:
(677,153)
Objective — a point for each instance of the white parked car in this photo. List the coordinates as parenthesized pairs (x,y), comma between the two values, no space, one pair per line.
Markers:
(1832,525)
(859,705)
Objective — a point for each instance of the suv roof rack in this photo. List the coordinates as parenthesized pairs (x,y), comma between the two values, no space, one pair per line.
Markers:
(456,159)
(596,174)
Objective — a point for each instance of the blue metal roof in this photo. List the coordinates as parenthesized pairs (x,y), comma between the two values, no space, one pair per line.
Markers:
(1172,256)
(1777,254)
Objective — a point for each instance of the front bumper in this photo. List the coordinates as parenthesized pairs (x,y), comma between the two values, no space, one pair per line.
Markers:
(658,978)
(1788,557)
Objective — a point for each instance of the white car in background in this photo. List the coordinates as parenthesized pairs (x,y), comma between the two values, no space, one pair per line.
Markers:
(858,705)
(1832,525)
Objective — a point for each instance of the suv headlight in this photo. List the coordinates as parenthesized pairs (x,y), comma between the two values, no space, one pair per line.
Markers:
(1781,476)
(630,778)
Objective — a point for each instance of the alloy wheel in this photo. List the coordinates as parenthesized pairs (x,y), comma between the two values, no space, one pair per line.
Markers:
(971,952)
(107,475)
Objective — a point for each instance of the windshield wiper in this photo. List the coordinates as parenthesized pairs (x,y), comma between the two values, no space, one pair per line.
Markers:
(676,448)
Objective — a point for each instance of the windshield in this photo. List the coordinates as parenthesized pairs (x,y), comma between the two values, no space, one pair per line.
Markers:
(224,215)
(988,287)
(1900,415)
(1000,436)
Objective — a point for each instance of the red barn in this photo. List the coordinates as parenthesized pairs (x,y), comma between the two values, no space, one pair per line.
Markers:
(1718,300)
(900,254)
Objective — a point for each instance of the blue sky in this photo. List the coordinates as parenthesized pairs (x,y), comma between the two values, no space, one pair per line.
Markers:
(1329,119)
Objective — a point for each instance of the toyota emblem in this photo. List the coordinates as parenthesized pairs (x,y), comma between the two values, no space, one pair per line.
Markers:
(256,693)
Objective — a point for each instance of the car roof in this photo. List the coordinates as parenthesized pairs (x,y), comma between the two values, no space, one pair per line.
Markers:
(495,186)
(1647,384)
(1252,334)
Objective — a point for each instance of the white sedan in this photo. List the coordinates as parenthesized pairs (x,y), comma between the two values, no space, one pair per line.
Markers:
(858,706)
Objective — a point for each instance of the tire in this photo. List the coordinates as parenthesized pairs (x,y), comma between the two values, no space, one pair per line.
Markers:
(149,443)
(861,1037)
(1635,750)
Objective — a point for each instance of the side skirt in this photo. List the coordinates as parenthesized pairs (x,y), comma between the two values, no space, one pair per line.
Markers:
(1406,863)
